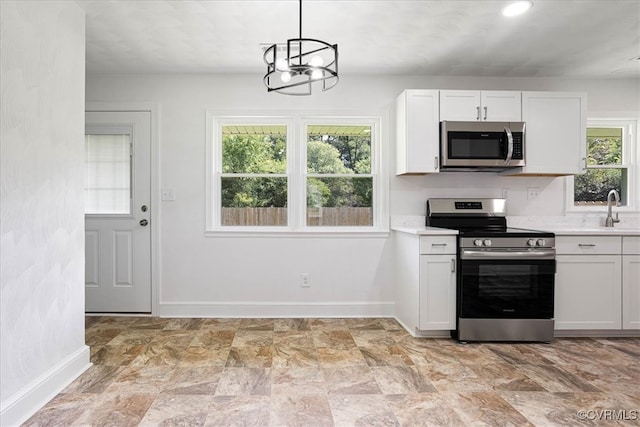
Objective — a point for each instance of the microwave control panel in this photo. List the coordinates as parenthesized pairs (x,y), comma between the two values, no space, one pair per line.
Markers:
(517,146)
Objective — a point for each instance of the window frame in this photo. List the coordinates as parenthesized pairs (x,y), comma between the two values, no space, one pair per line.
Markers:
(214,190)
(374,173)
(296,176)
(630,162)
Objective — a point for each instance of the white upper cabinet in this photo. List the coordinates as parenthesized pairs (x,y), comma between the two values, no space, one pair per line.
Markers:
(555,127)
(417,132)
(475,105)
(556,132)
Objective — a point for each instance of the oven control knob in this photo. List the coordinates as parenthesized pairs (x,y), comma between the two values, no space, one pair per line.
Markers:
(541,242)
(531,242)
(487,242)
(477,242)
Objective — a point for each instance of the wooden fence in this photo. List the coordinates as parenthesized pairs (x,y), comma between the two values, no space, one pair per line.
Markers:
(327,217)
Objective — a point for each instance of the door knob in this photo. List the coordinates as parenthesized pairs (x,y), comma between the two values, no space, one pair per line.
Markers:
(144,222)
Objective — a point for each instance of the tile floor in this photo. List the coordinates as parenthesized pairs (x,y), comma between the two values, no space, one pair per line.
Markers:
(339,372)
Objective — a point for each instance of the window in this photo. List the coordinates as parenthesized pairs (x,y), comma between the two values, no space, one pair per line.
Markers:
(609,165)
(339,180)
(107,186)
(253,182)
(294,174)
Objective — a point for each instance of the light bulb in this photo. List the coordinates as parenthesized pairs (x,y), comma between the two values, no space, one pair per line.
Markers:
(316,74)
(517,8)
(282,64)
(316,61)
(285,77)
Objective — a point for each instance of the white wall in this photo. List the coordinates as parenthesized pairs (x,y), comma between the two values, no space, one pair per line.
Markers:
(259,276)
(41,212)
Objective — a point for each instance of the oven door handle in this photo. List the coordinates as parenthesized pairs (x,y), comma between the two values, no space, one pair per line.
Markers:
(502,254)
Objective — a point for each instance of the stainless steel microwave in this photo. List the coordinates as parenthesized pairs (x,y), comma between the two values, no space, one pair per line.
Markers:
(481,145)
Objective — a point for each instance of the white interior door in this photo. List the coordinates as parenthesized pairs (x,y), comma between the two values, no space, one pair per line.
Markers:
(117,212)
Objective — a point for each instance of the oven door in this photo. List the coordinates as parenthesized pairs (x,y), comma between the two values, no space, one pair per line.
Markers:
(506,288)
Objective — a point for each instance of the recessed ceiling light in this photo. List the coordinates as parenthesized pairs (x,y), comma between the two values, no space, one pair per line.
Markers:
(517,8)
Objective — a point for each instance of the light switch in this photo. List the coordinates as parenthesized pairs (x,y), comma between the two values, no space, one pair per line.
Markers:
(168,194)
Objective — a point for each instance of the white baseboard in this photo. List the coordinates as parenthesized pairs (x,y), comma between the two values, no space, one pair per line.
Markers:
(26,402)
(290,310)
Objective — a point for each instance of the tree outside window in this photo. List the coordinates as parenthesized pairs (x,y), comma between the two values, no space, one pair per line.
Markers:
(293,173)
(605,168)
(254,175)
(339,179)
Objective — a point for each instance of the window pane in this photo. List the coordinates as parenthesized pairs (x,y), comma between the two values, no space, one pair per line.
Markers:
(254,201)
(339,201)
(107,181)
(254,149)
(338,149)
(604,146)
(591,188)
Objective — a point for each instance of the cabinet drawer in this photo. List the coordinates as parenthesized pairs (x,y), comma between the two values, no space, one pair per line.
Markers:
(437,245)
(588,245)
(631,245)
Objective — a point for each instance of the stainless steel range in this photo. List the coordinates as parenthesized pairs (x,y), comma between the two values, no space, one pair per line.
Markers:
(505,277)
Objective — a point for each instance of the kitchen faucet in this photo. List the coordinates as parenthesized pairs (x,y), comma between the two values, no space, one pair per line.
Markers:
(610,221)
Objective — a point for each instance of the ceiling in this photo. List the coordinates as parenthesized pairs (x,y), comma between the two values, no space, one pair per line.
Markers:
(556,38)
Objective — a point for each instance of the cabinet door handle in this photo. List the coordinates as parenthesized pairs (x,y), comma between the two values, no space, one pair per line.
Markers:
(453,265)
(435,163)
(485,113)
(478,112)
(584,164)
(587,245)
(439,244)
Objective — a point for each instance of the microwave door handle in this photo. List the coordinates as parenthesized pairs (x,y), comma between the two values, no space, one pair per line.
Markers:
(507,161)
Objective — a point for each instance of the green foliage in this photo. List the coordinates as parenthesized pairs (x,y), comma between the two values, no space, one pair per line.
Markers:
(354,152)
(254,192)
(343,154)
(604,151)
(595,184)
(324,158)
(254,154)
(266,154)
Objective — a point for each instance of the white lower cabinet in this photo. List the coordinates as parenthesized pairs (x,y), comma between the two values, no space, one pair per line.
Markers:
(437,292)
(588,292)
(631,282)
(589,289)
(425,289)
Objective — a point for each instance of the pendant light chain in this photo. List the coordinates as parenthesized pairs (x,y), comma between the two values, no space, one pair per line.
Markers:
(300,30)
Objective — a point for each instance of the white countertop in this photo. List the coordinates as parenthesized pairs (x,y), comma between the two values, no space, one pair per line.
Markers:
(595,231)
(572,226)
(422,230)
(560,231)
(562,226)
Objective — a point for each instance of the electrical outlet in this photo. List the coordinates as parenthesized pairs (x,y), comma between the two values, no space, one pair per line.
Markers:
(505,193)
(533,193)
(305,280)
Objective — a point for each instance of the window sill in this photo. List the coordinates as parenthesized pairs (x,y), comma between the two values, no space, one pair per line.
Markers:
(325,233)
